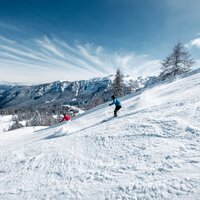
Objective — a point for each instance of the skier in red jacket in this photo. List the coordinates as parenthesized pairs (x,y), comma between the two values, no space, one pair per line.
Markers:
(66,117)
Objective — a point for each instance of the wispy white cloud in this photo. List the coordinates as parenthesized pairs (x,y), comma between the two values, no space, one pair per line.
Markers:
(193,43)
(8,26)
(47,44)
(48,59)
(3,39)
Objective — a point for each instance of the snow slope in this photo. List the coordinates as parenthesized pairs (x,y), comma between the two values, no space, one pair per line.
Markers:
(5,122)
(151,151)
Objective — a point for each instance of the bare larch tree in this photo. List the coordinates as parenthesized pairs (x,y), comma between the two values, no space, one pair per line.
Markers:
(178,62)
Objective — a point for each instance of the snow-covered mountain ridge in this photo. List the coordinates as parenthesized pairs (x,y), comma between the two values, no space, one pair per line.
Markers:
(83,94)
(151,151)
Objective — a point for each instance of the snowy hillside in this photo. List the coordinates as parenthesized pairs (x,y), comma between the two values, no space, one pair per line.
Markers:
(5,122)
(151,151)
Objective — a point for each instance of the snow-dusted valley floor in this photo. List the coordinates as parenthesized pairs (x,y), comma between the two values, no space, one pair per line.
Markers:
(151,151)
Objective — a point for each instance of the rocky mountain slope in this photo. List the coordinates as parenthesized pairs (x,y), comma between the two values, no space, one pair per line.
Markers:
(83,94)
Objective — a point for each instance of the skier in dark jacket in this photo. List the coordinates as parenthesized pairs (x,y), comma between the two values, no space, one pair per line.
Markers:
(117,103)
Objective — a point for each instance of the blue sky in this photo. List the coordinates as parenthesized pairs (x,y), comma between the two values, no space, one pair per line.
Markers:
(47,40)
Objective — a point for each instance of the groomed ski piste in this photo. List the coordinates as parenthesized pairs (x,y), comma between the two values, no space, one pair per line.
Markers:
(151,151)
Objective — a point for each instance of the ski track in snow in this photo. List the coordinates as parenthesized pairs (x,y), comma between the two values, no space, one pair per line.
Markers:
(151,151)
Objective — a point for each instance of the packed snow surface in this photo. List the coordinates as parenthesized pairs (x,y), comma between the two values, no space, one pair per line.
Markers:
(151,151)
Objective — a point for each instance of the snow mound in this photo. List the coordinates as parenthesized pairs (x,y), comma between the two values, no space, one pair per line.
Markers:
(5,122)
